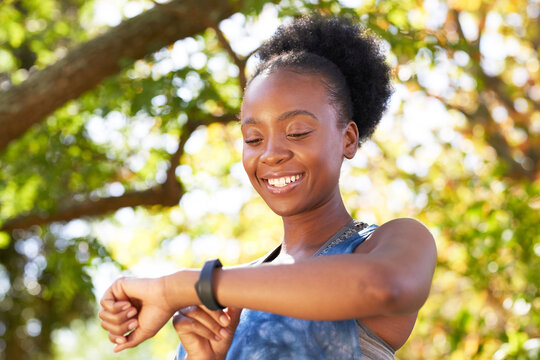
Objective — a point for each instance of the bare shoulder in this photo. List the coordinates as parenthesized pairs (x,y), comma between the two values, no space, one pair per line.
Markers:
(408,230)
(408,224)
(404,235)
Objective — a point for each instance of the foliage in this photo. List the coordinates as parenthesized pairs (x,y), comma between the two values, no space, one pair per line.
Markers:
(458,149)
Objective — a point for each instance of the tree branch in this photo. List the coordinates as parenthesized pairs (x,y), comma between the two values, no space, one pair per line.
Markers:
(90,207)
(167,194)
(239,62)
(86,66)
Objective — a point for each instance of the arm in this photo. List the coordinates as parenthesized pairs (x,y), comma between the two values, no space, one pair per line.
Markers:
(388,275)
(393,278)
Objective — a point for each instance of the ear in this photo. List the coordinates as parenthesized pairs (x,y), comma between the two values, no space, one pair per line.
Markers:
(350,140)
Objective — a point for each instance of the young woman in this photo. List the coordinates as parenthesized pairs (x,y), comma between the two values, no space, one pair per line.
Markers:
(335,288)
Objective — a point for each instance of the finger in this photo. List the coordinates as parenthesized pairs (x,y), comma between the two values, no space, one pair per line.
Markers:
(119,347)
(117,289)
(110,304)
(115,294)
(119,329)
(185,325)
(134,338)
(107,301)
(122,305)
(210,319)
(117,339)
(117,318)
(234,315)
(219,316)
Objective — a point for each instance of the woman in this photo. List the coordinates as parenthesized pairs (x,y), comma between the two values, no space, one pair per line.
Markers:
(335,288)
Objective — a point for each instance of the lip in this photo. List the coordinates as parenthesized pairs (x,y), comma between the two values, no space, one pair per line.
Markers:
(284,189)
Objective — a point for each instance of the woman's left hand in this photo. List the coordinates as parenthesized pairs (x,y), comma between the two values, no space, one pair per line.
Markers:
(206,334)
(136,305)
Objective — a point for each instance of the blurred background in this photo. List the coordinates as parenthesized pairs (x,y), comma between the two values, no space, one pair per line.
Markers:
(120,154)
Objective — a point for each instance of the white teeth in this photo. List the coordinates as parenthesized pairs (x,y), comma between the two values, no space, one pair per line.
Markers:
(282,181)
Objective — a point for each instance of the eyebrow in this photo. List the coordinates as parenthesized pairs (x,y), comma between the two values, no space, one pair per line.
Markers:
(286,115)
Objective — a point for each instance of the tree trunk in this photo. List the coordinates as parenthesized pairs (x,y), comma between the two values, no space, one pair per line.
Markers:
(86,66)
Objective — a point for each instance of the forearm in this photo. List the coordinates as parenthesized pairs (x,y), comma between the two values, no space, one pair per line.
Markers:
(179,289)
(326,288)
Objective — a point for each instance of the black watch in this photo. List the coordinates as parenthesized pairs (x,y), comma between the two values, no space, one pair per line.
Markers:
(205,285)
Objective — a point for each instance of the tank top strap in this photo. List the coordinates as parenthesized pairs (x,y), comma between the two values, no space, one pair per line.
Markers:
(348,245)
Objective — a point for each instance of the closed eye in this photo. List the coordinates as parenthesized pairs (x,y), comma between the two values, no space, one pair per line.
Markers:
(252,141)
(297,135)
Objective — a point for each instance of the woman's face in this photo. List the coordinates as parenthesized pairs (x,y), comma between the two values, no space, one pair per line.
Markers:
(293,147)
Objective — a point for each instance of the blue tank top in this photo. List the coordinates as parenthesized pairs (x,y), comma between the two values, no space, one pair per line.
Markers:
(267,336)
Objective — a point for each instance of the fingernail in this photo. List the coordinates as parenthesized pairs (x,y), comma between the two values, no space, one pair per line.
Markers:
(120,340)
(125,307)
(224,332)
(132,326)
(224,320)
(217,338)
(132,313)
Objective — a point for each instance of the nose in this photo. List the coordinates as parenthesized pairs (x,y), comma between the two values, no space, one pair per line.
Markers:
(275,152)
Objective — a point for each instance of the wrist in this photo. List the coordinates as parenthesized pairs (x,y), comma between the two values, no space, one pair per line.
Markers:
(179,289)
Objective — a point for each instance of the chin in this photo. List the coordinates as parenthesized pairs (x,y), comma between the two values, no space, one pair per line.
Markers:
(284,211)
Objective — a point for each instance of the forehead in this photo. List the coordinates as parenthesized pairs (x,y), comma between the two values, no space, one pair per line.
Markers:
(271,94)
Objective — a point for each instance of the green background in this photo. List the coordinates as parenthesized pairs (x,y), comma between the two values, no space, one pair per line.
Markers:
(458,149)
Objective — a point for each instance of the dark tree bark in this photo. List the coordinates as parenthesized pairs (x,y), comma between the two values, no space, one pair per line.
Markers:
(163,195)
(86,66)
(167,194)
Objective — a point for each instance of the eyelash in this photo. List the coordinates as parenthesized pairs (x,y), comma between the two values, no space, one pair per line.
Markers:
(294,136)
(297,135)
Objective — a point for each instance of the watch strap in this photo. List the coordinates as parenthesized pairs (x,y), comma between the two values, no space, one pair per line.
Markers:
(205,285)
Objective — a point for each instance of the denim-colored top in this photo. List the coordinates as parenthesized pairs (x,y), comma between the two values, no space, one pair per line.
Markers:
(267,336)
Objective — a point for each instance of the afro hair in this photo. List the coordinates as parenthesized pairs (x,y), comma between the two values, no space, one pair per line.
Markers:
(348,58)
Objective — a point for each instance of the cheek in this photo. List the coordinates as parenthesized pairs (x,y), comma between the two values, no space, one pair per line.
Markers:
(245,161)
(248,160)
(331,157)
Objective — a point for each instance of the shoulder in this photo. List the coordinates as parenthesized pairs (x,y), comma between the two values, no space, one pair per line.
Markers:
(409,226)
(402,233)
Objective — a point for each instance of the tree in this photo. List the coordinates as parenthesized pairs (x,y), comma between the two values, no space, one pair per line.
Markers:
(84,66)
(120,133)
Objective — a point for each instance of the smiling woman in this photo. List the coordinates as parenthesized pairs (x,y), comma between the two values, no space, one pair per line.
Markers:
(291,131)
(335,288)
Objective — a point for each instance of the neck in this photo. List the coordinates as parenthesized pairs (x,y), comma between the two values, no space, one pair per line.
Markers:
(305,233)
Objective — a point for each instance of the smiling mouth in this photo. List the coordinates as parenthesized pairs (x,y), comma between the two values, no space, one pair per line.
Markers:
(283,181)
